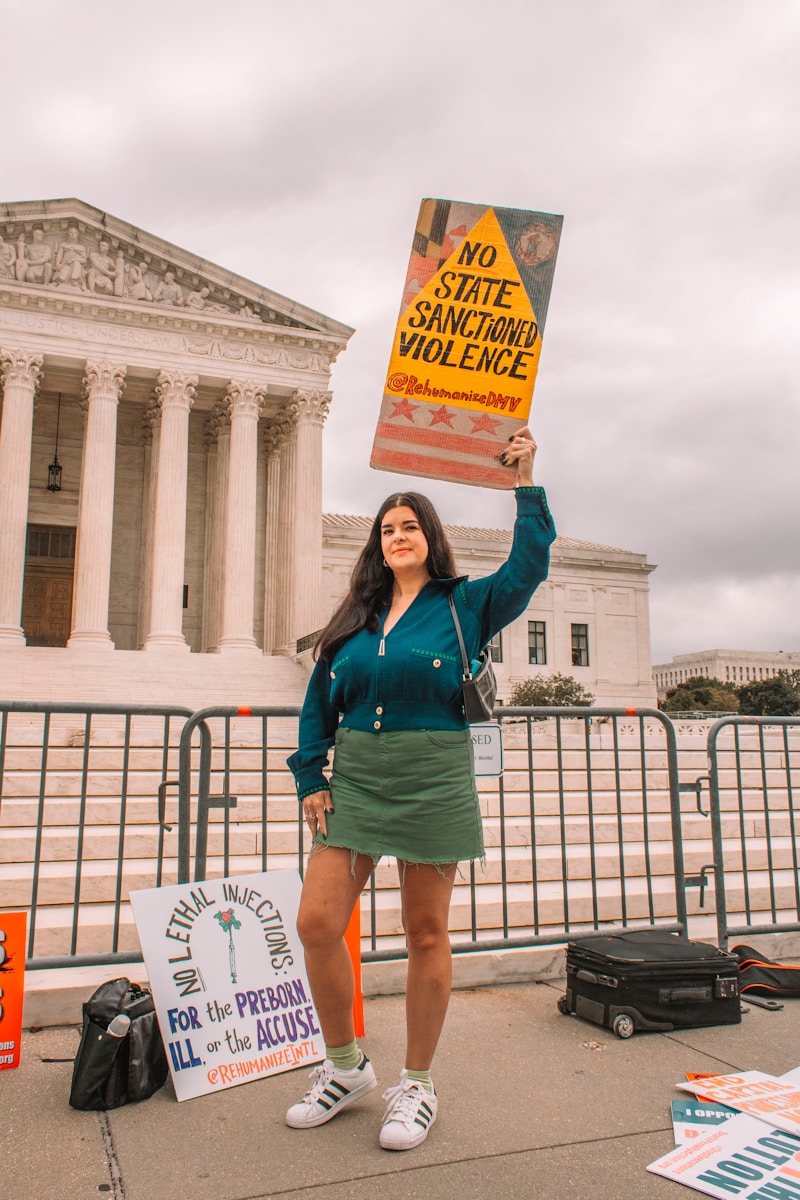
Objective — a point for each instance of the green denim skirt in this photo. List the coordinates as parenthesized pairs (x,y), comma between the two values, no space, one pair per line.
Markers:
(410,794)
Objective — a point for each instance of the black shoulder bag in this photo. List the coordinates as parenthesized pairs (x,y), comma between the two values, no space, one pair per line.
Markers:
(480,687)
(121,1055)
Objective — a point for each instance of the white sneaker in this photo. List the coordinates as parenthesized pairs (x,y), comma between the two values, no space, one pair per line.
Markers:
(411,1112)
(331,1090)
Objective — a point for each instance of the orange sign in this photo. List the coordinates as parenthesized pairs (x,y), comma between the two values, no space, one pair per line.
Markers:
(467,344)
(12,986)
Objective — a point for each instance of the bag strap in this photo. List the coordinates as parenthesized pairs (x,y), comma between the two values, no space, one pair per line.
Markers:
(457,623)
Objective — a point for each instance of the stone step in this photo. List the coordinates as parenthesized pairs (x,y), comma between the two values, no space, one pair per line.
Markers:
(191,680)
(57,877)
(97,920)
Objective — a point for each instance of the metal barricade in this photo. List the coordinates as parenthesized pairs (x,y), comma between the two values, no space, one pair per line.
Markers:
(241,764)
(582,827)
(754,784)
(88,812)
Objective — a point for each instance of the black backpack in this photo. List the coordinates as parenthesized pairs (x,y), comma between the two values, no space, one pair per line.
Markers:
(114,1067)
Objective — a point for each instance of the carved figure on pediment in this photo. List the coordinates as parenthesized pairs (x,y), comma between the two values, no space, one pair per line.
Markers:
(34,262)
(246,311)
(71,259)
(135,283)
(200,300)
(197,299)
(168,291)
(102,271)
(8,258)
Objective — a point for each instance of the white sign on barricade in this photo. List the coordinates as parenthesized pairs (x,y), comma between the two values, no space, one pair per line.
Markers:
(226,969)
(487,748)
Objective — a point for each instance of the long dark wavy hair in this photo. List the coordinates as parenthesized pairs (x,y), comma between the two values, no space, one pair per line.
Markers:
(371,582)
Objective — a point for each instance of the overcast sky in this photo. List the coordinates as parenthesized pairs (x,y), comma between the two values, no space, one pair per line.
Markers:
(292,143)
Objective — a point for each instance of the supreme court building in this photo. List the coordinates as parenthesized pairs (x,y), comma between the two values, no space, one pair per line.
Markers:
(160,446)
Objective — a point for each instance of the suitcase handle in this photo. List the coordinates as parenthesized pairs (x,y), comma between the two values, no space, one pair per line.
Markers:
(687,995)
(601,980)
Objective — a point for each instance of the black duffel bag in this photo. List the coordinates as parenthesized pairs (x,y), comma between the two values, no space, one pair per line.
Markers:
(121,1055)
(762,977)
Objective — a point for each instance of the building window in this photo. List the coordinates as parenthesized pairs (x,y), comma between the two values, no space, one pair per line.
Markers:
(51,541)
(537,643)
(496,647)
(580,645)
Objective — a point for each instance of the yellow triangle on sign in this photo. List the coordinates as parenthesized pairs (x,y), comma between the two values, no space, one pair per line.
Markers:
(470,338)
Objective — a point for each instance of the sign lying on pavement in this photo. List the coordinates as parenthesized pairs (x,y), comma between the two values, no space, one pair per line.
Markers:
(467,344)
(752,1157)
(226,969)
(745,1157)
(764,1096)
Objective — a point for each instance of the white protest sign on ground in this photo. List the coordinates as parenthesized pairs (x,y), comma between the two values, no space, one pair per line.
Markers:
(744,1157)
(693,1119)
(764,1096)
(226,969)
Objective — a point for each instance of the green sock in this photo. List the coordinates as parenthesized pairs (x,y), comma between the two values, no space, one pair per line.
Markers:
(345,1058)
(423,1077)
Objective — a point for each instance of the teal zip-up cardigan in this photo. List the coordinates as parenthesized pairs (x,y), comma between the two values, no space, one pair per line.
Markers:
(411,679)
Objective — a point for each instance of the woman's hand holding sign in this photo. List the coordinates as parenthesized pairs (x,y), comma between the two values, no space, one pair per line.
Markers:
(519,453)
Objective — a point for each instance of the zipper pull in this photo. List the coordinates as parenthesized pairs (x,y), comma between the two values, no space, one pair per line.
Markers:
(382,648)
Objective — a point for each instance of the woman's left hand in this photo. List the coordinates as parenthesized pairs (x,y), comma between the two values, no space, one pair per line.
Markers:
(519,453)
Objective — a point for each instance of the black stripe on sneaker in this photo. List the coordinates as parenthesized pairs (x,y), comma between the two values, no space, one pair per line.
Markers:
(423,1117)
(330,1097)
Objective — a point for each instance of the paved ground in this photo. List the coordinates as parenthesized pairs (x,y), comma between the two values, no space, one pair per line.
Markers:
(532,1104)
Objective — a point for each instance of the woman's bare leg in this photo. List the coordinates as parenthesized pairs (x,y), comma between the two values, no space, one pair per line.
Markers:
(426,892)
(330,891)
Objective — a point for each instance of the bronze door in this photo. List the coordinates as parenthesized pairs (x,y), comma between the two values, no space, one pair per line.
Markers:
(47,600)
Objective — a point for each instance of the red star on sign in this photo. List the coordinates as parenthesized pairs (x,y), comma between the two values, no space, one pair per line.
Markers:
(483,422)
(441,416)
(403,408)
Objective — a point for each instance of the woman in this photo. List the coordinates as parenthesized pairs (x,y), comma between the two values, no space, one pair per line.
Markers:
(403,782)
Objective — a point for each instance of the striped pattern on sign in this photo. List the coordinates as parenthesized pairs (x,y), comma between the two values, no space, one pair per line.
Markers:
(445,443)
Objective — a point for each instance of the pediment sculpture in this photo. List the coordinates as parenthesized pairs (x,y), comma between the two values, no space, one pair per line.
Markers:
(87,262)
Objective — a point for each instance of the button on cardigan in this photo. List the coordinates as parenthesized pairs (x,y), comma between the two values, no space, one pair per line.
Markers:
(415,683)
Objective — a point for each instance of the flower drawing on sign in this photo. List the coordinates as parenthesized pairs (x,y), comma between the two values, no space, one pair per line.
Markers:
(228,922)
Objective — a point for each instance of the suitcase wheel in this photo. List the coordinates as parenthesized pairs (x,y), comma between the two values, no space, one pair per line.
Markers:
(623,1026)
(562,1004)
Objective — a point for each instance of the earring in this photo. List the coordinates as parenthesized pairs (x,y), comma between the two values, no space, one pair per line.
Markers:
(385,563)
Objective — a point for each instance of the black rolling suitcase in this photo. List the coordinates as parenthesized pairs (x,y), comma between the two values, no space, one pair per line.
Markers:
(650,979)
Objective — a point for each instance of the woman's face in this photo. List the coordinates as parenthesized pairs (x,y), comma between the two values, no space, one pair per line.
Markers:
(403,543)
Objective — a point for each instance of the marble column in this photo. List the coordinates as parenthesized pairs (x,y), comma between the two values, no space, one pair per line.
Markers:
(283,538)
(272,560)
(238,590)
(21,373)
(175,392)
(218,440)
(300,613)
(151,427)
(103,385)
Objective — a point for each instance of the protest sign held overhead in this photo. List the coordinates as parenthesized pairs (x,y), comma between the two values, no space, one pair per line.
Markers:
(467,344)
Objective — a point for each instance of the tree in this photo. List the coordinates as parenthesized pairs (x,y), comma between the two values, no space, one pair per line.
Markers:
(699,694)
(775,697)
(550,691)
